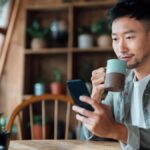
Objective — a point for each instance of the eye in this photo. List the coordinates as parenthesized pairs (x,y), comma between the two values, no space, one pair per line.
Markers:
(130,37)
(114,39)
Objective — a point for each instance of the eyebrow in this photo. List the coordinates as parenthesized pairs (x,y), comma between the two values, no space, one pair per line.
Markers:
(126,32)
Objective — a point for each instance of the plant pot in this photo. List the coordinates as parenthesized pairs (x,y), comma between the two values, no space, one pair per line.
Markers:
(104,41)
(39,88)
(57,88)
(37,128)
(38,43)
(37,131)
(85,41)
(4,140)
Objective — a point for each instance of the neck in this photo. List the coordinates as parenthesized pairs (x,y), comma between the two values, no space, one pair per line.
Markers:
(142,71)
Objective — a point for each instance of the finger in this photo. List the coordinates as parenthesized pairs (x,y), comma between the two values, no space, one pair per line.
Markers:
(98,81)
(100,70)
(98,74)
(82,111)
(84,119)
(90,101)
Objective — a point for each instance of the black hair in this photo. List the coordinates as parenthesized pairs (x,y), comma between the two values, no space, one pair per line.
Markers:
(138,9)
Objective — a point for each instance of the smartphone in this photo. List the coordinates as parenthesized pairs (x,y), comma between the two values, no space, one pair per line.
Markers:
(76,89)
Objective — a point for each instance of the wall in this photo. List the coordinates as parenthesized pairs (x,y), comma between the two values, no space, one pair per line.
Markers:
(12,79)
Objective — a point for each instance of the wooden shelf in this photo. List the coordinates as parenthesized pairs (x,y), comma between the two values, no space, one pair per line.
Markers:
(94,3)
(46,51)
(92,49)
(69,58)
(47,6)
(66,50)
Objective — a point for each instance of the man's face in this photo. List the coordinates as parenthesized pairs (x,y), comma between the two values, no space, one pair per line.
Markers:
(131,41)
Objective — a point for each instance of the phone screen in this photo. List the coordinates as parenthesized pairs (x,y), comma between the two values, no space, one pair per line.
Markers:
(76,89)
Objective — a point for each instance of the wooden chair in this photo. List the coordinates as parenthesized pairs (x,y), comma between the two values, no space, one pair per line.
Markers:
(56,99)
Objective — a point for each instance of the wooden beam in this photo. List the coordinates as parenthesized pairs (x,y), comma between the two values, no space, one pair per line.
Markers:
(8,36)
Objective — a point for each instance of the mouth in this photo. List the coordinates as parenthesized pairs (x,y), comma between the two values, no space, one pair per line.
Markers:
(126,58)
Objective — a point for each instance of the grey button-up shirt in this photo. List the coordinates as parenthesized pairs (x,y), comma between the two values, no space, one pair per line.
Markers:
(120,102)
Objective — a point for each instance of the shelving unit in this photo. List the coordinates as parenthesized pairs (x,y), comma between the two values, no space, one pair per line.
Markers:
(67,58)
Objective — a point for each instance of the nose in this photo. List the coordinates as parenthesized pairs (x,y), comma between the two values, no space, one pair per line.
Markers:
(122,46)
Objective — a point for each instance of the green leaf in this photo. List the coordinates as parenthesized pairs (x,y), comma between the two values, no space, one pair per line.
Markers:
(36,25)
(36,31)
(101,27)
(57,74)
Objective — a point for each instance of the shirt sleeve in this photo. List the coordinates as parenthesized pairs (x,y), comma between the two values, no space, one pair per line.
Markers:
(138,138)
(91,137)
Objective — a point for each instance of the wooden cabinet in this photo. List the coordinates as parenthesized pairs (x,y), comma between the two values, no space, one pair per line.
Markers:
(73,62)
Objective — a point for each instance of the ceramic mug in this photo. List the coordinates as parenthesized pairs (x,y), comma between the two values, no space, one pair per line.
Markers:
(115,75)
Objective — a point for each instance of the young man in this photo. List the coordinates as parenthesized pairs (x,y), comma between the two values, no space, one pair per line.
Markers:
(124,116)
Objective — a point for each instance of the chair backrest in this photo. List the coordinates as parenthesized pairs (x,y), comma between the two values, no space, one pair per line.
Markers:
(43,101)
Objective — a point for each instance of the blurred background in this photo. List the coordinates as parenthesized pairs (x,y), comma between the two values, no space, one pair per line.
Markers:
(44,43)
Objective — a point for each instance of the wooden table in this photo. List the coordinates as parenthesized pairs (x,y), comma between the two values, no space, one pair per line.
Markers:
(63,145)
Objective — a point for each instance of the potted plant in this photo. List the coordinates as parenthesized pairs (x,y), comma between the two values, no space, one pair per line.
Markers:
(102,30)
(58,33)
(85,38)
(38,35)
(4,135)
(39,85)
(39,88)
(57,86)
(37,127)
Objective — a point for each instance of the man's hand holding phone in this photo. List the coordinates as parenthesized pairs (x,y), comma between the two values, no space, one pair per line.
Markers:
(100,121)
